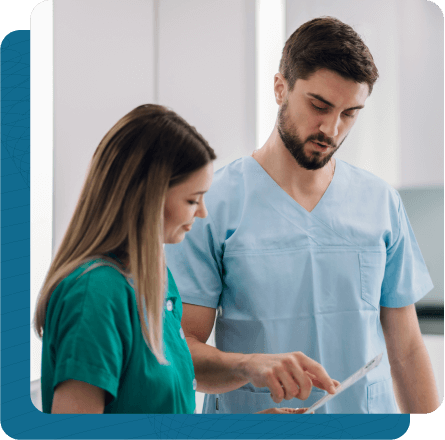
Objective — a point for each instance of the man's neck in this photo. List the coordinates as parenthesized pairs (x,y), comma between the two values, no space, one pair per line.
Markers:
(306,187)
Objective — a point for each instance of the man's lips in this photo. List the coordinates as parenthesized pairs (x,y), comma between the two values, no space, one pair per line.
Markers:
(324,144)
(320,144)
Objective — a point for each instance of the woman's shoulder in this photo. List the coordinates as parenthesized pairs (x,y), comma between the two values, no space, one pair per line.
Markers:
(97,279)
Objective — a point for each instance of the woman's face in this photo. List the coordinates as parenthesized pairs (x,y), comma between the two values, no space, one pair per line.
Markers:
(184,202)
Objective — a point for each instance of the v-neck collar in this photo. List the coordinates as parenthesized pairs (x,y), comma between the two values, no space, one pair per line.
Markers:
(317,224)
(330,190)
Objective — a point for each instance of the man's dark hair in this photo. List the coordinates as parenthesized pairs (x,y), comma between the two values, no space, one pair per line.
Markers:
(328,43)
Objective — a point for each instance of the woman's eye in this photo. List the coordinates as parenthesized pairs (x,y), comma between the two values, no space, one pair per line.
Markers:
(193,202)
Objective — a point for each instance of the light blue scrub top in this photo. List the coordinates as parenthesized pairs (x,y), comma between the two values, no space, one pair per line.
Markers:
(283,279)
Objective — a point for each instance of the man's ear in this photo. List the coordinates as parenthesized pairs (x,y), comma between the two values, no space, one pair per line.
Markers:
(280,88)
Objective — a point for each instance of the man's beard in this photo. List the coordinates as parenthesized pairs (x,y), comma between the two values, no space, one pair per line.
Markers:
(296,146)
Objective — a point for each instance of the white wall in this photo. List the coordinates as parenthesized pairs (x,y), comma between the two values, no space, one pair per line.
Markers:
(421,91)
(207,70)
(103,68)
(195,56)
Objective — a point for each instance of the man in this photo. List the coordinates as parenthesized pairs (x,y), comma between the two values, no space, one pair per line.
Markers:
(304,255)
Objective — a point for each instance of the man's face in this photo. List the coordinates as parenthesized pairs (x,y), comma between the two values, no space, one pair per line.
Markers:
(316,116)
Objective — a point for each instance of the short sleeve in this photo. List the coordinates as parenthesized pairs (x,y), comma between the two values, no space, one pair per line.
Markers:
(91,330)
(406,277)
(196,266)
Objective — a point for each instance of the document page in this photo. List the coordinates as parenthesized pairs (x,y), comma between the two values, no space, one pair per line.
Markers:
(347,383)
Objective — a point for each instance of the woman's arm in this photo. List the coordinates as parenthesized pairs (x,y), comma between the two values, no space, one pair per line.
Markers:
(76,397)
(287,375)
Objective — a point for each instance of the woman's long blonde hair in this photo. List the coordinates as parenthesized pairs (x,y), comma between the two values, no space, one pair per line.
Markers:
(121,207)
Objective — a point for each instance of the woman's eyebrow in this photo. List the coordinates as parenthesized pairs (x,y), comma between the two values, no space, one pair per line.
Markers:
(320,98)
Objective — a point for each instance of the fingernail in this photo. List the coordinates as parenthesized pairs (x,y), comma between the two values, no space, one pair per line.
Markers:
(332,389)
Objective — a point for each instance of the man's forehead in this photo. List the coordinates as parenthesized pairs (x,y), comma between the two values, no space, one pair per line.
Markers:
(333,87)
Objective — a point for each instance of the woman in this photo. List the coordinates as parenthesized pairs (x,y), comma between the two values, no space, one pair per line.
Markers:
(109,312)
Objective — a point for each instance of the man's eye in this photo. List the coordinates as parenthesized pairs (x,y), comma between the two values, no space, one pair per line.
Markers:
(349,115)
(320,109)
(193,202)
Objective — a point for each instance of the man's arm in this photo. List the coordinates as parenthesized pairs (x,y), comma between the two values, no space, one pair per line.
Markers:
(411,370)
(286,375)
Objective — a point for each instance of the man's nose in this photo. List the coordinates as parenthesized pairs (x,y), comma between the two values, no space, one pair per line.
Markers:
(329,125)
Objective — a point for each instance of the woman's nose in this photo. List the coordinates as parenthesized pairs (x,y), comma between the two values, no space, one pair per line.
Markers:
(201,212)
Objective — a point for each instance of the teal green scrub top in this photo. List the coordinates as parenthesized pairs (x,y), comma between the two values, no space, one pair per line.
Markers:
(93,334)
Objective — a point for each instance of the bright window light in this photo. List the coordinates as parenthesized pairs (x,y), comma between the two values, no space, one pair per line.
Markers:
(270,39)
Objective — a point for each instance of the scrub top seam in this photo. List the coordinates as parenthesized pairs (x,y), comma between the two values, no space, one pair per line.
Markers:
(333,231)
(308,214)
(198,301)
(281,214)
(85,292)
(337,312)
(322,248)
(417,295)
(72,362)
(75,340)
(82,318)
(219,245)
(105,263)
(398,222)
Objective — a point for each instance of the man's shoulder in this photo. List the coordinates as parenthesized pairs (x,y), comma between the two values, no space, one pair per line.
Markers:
(228,181)
(360,177)
(233,171)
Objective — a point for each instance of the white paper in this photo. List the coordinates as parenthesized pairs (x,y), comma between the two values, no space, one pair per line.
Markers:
(347,383)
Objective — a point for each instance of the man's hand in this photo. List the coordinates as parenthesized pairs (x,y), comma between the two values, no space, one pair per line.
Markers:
(286,375)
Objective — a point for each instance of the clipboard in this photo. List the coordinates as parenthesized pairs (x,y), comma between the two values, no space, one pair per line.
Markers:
(351,380)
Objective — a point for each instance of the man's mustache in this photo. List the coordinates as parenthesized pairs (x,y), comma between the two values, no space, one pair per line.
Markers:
(320,137)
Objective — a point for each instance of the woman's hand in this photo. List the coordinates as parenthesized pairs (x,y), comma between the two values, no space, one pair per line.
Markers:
(287,375)
(283,411)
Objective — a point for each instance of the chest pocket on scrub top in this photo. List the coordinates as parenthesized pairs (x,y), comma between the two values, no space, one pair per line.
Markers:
(372,270)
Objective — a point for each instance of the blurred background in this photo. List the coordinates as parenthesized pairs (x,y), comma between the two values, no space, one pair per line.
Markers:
(213,62)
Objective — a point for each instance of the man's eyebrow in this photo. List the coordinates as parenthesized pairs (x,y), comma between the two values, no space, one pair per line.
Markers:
(320,98)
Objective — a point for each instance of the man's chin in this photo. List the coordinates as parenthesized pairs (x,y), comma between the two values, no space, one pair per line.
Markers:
(312,163)
(317,160)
